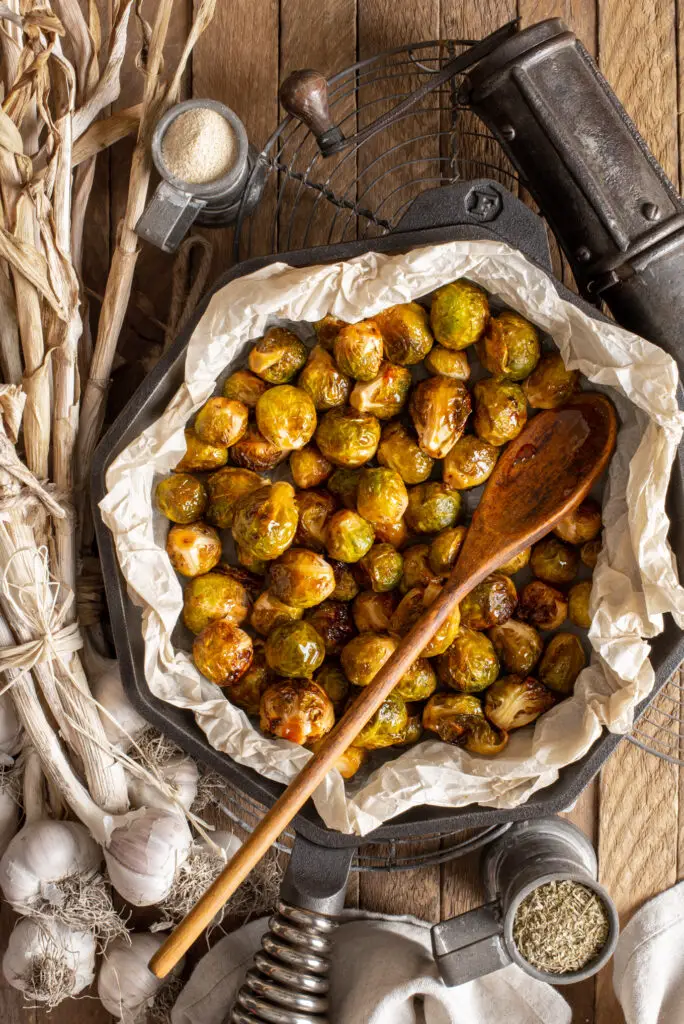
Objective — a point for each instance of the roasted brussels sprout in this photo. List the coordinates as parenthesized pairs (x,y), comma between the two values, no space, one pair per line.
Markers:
(406,334)
(225,487)
(419,683)
(445,549)
(333,680)
(470,663)
(589,552)
(294,649)
(193,548)
(363,657)
(397,534)
(398,450)
(222,652)
(253,451)
(417,569)
(578,604)
(582,525)
(500,410)
(181,498)
(386,727)
(469,463)
(358,350)
(314,509)
(286,417)
(562,661)
(301,578)
(308,467)
(516,563)
(409,610)
(252,583)
(245,387)
(490,603)
(432,507)
(326,386)
(265,521)
(385,395)
(221,421)
(542,606)
(278,356)
(347,437)
(344,484)
(381,496)
(247,690)
(446,362)
(349,761)
(459,314)
(327,330)
(414,727)
(514,701)
(439,409)
(518,646)
(458,718)
(268,612)
(333,622)
(298,710)
(346,587)
(373,611)
(554,561)
(211,597)
(510,346)
(201,457)
(256,566)
(348,537)
(550,385)
(381,568)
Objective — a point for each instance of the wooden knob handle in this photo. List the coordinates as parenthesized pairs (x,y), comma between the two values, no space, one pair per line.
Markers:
(304,94)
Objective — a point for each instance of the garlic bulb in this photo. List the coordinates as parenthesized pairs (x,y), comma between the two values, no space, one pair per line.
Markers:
(179,774)
(43,854)
(10,727)
(125,985)
(9,817)
(120,720)
(144,852)
(48,961)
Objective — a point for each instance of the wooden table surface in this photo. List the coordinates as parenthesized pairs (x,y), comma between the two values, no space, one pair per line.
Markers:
(632,812)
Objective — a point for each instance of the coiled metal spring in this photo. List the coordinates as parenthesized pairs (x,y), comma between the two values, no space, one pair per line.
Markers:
(289,981)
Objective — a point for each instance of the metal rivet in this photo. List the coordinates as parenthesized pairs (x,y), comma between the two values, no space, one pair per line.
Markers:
(508,132)
(583,254)
(650,211)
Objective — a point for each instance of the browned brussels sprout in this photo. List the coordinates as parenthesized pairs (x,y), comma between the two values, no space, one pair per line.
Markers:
(286,417)
(252,583)
(381,568)
(181,498)
(327,330)
(221,421)
(516,563)
(278,356)
(247,690)
(432,507)
(542,606)
(268,612)
(349,761)
(419,683)
(214,596)
(386,727)
(445,549)
(222,652)
(193,549)
(253,451)
(245,387)
(410,609)
(513,701)
(510,346)
(385,395)
(562,661)
(333,622)
(439,409)
(518,646)
(225,487)
(373,611)
(470,663)
(346,587)
(201,457)
(500,410)
(414,727)
(308,467)
(349,537)
(333,680)
(363,657)
(459,314)
(344,484)
(458,718)
(347,437)
(358,350)
(446,362)
(399,450)
(381,496)
(326,386)
(248,561)
(397,534)
(469,463)
(294,649)
(417,569)
(314,509)
(578,604)
(554,561)
(550,385)
(582,525)
(265,521)
(406,334)
(589,552)
(490,603)
(301,578)
(298,710)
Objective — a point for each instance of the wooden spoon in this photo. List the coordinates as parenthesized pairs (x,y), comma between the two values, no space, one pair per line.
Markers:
(541,476)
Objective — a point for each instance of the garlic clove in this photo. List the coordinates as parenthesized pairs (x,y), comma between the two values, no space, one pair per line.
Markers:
(9,818)
(48,961)
(43,853)
(125,984)
(144,852)
(121,723)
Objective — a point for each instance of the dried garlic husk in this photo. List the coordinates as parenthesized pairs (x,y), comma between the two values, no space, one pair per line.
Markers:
(126,986)
(120,720)
(144,852)
(178,775)
(9,817)
(48,961)
(41,856)
(10,728)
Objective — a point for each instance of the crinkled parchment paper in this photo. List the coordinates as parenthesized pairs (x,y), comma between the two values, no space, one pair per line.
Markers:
(635,580)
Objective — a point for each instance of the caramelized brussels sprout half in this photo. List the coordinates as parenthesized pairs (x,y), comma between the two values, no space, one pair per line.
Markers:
(347,437)
(247,690)
(397,534)
(222,652)
(589,552)
(419,683)
(333,622)
(268,612)
(256,566)
(326,386)
(562,661)
(348,537)
(373,611)
(225,487)
(333,680)
(439,409)
(445,549)
(406,334)
(470,663)
(582,525)
(458,718)
(265,521)
(542,606)
(211,597)
(386,727)
(278,356)
(578,604)
(550,385)
(381,568)
(346,587)
(358,350)
(414,727)
(286,417)
(446,362)
(409,610)
(301,578)
(200,457)
(181,498)
(500,410)
(554,561)
(432,507)
(252,583)
(344,484)
(381,496)
(294,649)
(459,314)
(399,450)
(518,646)
(298,710)
(308,467)
(253,451)
(417,569)
(327,330)
(510,346)
(349,761)
(363,657)
(513,701)
(490,603)
(221,421)
(244,386)
(385,395)
(516,563)
(314,509)
(193,548)
(469,463)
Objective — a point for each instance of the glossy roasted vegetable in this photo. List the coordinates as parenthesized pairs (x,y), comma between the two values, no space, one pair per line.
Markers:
(490,603)
(469,463)
(214,596)
(406,334)
(286,417)
(333,680)
(349,537)
(247,690)
(432,507)
(373,611)
(410,609)
(308,467)
(542,606)
(550,385)
(417,569)
(333,622)
(381,568)
(385,395)
(516,563)
(578,604)
(562,661)
(554,561)
(582,525)
(445,549)
(381,496)
(346,587)
(349,761)
(469,664)
(301,578)
(193,549)
(225,487)
(327,330)
(221,421)
(513,701)
(244,386)
(458,718)
(518,646)
(419,683)
(363,657)
(347,437)
(222,652)
(326,386)
(181,498)
(500,410)
(278,356)
(255,566)
(298,710)
(200,457)
(268,612)
(414,727)
(439,409)
(358,350)
(253,451)
(314,509)
(397,534)
(510,346)
(386,727)
(294,649)
(344,484)
(265,521)
(253,583)
(589,552)
(445,362)
(399,450)
(459,314)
